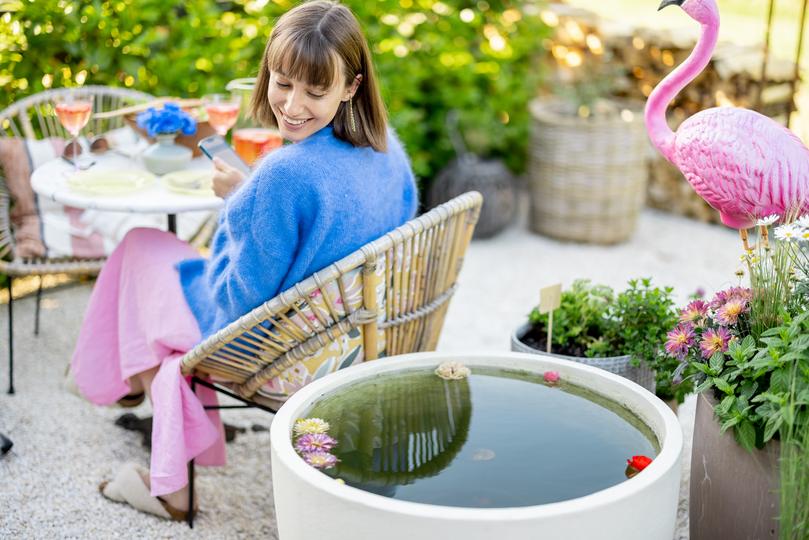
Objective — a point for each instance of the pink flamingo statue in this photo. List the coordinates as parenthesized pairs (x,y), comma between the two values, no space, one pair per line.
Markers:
(742,163)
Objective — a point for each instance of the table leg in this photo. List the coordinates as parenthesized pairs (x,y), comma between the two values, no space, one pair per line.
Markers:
(173,224)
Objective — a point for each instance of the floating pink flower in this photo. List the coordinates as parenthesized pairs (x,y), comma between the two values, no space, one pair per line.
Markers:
(314,442)
(679,340)
(714,341)
(728,314)
(320,460)
(551,377)
(694,312)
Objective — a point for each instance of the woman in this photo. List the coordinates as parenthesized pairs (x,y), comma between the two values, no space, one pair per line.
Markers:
(345,182)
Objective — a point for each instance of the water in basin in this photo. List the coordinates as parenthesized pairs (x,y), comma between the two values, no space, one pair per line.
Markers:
(498,438)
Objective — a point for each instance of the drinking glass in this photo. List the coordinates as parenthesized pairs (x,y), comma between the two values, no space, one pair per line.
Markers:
(223,111)
(254,143)
(74,108)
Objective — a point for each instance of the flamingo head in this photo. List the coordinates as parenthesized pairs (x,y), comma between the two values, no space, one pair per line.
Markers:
(702,11)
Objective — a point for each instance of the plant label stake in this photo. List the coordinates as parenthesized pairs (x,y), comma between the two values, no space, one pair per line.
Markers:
(550,298)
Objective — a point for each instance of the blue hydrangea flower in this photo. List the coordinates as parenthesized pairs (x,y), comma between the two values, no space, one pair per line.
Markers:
(170,119)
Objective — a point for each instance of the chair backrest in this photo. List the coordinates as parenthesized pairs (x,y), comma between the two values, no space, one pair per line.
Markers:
(33,117)
(390,297)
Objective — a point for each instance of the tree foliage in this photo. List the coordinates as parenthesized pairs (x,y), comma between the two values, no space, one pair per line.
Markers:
(477,57)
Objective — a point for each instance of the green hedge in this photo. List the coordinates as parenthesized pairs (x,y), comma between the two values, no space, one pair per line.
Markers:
(431,56)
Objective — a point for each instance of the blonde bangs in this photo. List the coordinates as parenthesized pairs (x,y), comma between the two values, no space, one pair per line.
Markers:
(300,57)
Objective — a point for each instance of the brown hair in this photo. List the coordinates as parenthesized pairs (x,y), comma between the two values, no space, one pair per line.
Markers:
(305,45)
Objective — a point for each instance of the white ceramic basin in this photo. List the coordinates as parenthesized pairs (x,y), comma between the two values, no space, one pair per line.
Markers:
(312,506)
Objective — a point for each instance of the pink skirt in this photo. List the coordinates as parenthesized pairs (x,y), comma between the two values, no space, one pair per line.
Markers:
(138,319)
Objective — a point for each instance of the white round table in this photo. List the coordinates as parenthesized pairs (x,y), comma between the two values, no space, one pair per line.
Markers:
(49,180)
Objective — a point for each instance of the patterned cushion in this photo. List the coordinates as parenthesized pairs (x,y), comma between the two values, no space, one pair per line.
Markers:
(346,351)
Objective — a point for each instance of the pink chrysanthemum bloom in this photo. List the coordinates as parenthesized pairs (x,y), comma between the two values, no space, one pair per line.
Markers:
(694,312)
(314,442)
(722,297)
(321,460)
(551,377)
(728,314)
(680,340)
(714,341)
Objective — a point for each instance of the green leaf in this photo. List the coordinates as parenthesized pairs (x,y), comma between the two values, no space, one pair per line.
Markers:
(723,385)
(724,407)
(780,381)
(704,385)
(730,422)
(746,435)
(717,362)
(772,425)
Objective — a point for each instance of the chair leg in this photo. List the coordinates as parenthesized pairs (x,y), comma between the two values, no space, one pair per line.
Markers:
(191,473)
(36,312)
(10,338)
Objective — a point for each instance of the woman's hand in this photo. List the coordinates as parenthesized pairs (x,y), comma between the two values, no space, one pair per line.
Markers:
(226,178)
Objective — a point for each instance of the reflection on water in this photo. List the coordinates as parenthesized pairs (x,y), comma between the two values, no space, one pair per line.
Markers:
(496,439)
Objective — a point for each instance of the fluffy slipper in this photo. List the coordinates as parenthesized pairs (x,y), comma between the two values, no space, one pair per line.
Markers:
(128,487)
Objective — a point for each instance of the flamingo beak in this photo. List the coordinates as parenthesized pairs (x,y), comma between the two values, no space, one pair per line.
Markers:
(666,3)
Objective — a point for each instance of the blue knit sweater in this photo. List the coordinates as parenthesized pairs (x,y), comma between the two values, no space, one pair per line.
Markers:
(307,205)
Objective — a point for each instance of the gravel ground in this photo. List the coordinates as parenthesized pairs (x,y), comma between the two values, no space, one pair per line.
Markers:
(64,446)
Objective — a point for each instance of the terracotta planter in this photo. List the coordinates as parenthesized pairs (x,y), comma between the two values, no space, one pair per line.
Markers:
(734,493)
(620,365)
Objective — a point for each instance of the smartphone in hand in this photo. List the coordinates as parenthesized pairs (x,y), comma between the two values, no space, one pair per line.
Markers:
(216,146)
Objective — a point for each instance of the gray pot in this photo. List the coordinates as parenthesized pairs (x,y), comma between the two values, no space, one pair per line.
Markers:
(734,493)
(620,365)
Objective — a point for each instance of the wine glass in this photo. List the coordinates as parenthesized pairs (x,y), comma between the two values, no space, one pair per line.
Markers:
(74,108)
(223,111)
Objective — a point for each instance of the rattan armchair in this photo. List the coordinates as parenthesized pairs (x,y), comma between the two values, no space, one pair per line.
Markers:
(33,118)
(389,297)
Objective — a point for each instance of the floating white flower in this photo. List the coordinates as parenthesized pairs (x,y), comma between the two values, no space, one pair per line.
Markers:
(452,371)
(769,220)
(306,426)
(787,233)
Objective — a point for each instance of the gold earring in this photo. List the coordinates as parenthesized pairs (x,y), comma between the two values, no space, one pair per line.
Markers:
(351,115)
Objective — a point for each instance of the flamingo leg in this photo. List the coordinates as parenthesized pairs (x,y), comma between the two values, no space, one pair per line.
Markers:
(745,240)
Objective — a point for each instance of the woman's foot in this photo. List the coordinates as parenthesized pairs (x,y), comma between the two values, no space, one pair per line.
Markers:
(131,486)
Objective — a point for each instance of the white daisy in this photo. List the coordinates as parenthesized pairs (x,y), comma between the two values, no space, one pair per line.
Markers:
(803,221)
(769,220)
(787,233)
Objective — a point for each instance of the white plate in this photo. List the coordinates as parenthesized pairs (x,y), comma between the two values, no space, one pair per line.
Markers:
(110,182)
(190,182)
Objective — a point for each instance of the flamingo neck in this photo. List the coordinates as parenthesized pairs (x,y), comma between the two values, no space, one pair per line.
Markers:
(659,131)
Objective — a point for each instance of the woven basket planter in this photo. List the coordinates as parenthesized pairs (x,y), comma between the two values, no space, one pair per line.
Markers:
(620,365)
(587,175)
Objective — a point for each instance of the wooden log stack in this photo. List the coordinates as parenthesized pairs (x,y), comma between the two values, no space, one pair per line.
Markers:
(585,49)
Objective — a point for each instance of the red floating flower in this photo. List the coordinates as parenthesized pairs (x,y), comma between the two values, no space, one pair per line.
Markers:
(639,462)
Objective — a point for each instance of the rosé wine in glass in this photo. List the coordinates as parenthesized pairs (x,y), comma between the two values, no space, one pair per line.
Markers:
(74,116)
(253,143)
(74,108)
(223,111)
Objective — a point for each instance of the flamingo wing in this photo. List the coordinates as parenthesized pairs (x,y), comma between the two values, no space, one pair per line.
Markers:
(743,164)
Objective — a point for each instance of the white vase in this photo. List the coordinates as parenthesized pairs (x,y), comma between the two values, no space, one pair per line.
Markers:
(643,508)
(165,156)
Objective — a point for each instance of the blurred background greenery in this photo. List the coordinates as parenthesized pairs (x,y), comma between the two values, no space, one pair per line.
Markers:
(474,56)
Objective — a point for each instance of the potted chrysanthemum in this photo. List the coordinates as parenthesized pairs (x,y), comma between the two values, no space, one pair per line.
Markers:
(748,350)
